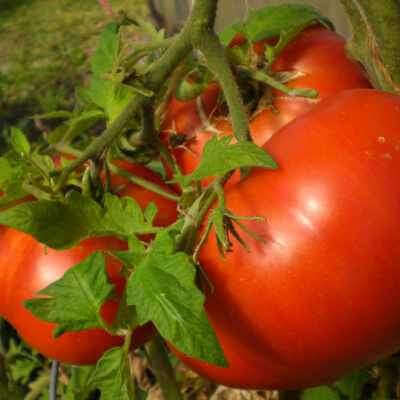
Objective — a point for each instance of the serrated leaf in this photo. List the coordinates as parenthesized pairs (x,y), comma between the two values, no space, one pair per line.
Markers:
(352,384)
(163,290)
(282,21)
(320,393)
(74,301)
(106,53)
(111,96)
(112,376)
(220,157)
(19,142)
(272,20)
(63,224)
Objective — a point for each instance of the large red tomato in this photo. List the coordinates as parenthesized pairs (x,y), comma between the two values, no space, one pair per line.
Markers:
(321,295)
(319,56)
(26,267)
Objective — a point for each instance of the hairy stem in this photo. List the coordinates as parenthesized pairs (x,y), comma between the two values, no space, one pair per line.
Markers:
(143,183)
(376,40)
(218,64)
(162,369)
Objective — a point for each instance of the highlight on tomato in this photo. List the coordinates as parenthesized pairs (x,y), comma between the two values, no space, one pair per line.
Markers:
(327,267)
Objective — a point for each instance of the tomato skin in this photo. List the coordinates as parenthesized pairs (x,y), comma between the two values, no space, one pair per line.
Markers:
(26,267)
(319,54)
(320,297)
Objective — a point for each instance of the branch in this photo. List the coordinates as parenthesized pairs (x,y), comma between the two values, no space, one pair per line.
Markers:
(218,64)
(376,39)
(201,20)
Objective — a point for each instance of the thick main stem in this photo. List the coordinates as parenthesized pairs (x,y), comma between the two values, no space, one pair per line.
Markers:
(376,40)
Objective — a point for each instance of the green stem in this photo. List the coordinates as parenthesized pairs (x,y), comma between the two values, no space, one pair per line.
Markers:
(274,83)
(143,183)
(162,369)
(218,64)
(201,20)
(376,40)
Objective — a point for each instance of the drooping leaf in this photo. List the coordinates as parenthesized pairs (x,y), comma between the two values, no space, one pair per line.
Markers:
(64,224)
(274,21)
(112,376)
(74,301)
(220,157)
(163,290)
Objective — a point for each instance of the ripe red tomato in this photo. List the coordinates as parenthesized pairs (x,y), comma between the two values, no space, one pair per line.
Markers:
(26,267)
(320,296)
(318,54)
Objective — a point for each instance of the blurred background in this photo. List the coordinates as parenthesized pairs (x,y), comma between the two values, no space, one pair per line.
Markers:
(229,11)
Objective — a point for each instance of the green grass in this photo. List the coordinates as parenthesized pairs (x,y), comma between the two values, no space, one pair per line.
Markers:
(44,51)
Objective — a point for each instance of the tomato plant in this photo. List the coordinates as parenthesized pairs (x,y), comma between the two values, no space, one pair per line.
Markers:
(26,267)
(319,58)
(319,295)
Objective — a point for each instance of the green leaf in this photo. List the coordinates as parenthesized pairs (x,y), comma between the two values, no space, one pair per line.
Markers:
(220,157)
(112,376)
(19,142)
(6,171)
(63,224)
(105,56)
(320,393)
(272,20)
(79,383)
(163,290)
(230,32)
(74,301)
(135,255)
(12,175)
(110,96)
(283,21)
(80,124)
(352,384)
